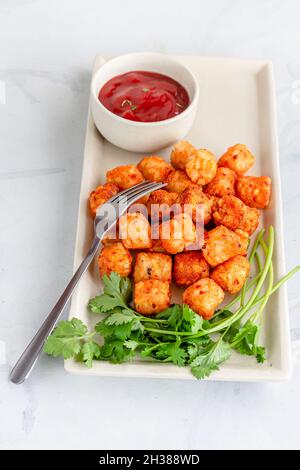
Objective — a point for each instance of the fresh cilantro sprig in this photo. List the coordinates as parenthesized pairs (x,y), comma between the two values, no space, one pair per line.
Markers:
(177,335)
(72,339)
(117,293)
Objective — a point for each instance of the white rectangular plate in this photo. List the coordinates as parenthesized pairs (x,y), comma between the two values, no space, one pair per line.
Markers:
(236,105)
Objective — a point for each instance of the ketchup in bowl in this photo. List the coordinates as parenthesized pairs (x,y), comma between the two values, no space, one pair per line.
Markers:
(144,96)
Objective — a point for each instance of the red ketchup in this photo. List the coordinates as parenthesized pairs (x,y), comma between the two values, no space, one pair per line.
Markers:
(144,96)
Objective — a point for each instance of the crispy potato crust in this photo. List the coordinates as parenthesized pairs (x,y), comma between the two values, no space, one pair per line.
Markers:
(101,195)
(178,181)
(181,152)
(244,239)
(222,184)
(135,232)
(151,296)
(155,168)
(165,200)
(220,244)
(189,268)
(229,211)
(115,258)
(254,191)
(203,297)
(251,220)
(177,233)
(238,158)
(202,167)
(124,176)
(152,266)
(200,203)
(157,247)
(232,274)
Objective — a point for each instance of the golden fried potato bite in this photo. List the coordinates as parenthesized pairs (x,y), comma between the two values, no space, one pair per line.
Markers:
(151,296)
(200,203)
(232,274)
(189,268)
(154,168)
(238,158)
(177,233)
(178,181)
(115,258)
(101,195)
(220,244)
(203,297)
(159,204)
(156,247)
(254,191)
(111,237)
(181,152)
(201,167)
(229,211)
(244,239)
(134,231)
(124,176)
(152,266)
(222,184)
(251,220)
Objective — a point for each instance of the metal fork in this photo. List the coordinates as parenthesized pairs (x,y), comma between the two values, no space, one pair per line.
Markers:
(102,225)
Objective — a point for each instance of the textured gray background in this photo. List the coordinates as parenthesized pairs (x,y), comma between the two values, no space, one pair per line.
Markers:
(46,54)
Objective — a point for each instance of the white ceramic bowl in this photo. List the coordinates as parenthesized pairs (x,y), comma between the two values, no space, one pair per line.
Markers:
(143,136)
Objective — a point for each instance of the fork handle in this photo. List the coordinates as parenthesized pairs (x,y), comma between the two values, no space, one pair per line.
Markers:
(27,360)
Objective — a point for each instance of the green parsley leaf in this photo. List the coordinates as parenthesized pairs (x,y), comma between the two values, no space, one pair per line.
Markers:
(131,344)
(115,351)
(191,321)
(66,339)
(72,339)
(245,341)
(171,352)
(121,332)
(117,293)
(119,317)
(90,351)
(210,359)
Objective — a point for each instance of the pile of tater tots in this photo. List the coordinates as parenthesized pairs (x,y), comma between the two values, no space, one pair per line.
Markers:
(230,204)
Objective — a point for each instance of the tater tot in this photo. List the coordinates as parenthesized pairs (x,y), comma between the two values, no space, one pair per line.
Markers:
(135,232)
(232,274)
(251,220)
(229,211)
(220,244)
(222,184)
(201,204)
(201,168)
(154,168)
(177,233)
(101,195)
(189,268)
(152,266)
(238,158)
(164,200)
(181,152)
(178,181)
(254,191)
(115,258)
(244,239)
(203,297)
(151,296)
(111,237)
(124,176)
(157,247)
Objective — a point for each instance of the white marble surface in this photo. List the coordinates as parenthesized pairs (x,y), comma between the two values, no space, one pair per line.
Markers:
(46,53)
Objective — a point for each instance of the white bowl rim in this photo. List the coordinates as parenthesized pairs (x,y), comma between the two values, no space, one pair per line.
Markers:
(139,123)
